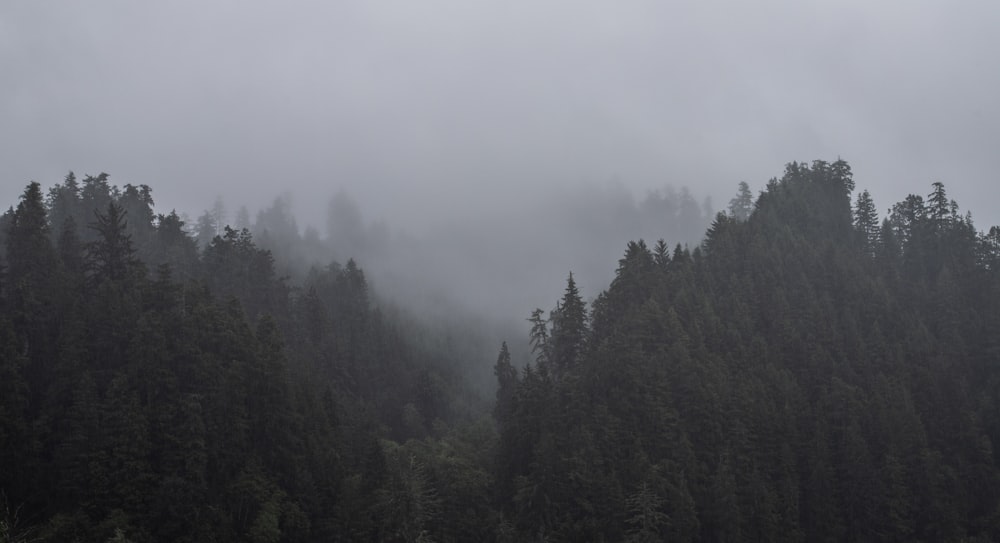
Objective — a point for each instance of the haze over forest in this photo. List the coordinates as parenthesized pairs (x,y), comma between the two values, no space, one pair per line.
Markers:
(487,134)
(439,111)
(450,271)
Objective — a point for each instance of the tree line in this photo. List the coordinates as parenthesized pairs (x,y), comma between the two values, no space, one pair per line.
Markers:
(809,372)
(155,390)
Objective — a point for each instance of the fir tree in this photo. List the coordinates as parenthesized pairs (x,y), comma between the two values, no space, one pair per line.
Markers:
(741,206)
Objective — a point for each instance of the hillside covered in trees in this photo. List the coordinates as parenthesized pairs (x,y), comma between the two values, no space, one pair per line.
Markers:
(810,372)
(152,391)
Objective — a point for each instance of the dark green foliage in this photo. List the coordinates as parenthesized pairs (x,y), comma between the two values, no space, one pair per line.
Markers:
(18,447)
(29,253)
(539,335)
(234,266)
(805,374)
(135,407)
(174,247)
(507,381)
(777,384)
(96,193)
(112,257)
(569,329)
(866,223)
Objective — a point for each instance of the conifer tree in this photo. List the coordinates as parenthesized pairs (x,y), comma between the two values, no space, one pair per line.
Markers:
(64,202)
(741,206)
(539,336)
(661,254)
(111,256)
(31,278)
(96,194)
(507,383)
(647,517)
(30,255)
(866,222)
(938,206)
(569,330)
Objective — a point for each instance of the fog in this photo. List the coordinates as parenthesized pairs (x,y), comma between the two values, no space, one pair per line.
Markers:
(505,264)
(470,128)
(473,280)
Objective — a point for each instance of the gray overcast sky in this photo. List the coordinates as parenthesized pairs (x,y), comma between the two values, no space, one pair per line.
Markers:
(433,108)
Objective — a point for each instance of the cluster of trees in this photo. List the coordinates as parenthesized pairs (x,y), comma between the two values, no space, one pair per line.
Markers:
(152,390)
(414,262)
(469,279)
(808,373)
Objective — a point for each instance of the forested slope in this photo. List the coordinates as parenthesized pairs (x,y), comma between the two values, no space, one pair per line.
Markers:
(808,373)
(152,391)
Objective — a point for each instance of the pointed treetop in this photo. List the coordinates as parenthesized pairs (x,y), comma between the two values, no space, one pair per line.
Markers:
(741,206)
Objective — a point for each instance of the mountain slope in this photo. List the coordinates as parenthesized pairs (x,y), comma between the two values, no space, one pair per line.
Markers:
(801,376)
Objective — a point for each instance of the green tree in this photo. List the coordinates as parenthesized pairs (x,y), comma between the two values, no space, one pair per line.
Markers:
(64,202)
(539,336)
(409,503)
(741,206)
(939,207)
(18,442)
(32,288)
(174,247)
(30,254)
(569,330)
(507,382)
(647,519)
(111,256)
(866,223)
(96,195)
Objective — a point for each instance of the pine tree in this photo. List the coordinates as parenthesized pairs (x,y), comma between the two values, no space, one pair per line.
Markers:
(71,250)
(32,286)
(647,518)
(174,247)
(137,204)
(206,230)
(539,336)
(507,383)
(17,451)
(938,206)
(95,196)
(569,330)
(111,256)
(741,206)
(661,254)
(64,202)
(866,223)
(30,255)
(841,172)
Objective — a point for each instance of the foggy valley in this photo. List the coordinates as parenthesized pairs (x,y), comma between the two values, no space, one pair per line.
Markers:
(496,266)
(450,271)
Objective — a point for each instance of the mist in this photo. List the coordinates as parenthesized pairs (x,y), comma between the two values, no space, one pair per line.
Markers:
(482,153)
(497,263)
(476,276)
(442,110)
(370,271)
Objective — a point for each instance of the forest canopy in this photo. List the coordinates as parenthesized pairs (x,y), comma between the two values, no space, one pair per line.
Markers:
(810,371)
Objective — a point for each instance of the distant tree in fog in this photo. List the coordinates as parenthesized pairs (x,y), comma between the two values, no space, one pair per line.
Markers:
(741,205)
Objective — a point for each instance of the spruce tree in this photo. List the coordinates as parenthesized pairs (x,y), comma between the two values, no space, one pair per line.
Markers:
(111,256)
(507,382)
(741,206)
(866,223)
(569,330)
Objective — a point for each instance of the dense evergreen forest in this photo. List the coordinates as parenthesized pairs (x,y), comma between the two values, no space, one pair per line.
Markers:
(809,372)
